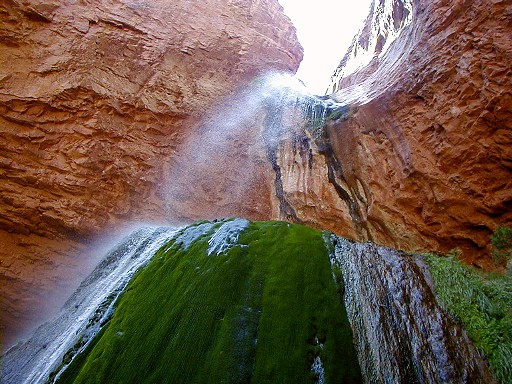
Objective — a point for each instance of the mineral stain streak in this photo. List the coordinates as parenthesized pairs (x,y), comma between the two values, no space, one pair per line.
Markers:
(401,332)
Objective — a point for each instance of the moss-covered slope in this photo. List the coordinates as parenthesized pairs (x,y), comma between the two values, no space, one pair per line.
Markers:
(255,302)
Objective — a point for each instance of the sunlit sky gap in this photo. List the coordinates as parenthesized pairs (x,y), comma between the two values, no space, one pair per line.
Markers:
(325,29)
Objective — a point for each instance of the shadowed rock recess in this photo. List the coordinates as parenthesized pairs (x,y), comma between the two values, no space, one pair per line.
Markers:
(265,302)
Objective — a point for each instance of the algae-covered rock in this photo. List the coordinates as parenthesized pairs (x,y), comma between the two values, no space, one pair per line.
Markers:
(234,301)
(228,302)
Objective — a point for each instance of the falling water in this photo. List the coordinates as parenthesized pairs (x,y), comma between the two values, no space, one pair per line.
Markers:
(284,97)
(246,127)
(85,312)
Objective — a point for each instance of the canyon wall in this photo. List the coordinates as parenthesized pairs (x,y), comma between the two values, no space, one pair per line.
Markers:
(425,160)
(105,104)
(95,99)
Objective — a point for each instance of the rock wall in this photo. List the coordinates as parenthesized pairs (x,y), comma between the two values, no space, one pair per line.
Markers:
(425,161)
(95,99)
(401,330)
(103,105)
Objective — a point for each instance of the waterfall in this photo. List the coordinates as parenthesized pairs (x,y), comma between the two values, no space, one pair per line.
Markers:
(401,333)
(86,310)
(276,96)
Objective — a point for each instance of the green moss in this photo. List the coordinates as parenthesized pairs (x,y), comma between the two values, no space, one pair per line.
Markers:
(483,303)
(259,312)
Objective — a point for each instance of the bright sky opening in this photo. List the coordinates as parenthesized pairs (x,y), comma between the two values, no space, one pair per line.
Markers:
(325,29)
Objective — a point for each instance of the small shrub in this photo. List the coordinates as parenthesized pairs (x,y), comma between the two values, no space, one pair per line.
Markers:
(501,241)
(455,253)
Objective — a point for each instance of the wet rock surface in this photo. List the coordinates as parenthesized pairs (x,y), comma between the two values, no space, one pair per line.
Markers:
(401,332)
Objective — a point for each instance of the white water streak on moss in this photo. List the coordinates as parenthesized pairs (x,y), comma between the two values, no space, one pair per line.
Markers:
(191,234)
(226,236)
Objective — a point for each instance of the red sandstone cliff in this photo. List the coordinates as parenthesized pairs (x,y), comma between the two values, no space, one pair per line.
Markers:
(95,98)
(103,102)
(426,161)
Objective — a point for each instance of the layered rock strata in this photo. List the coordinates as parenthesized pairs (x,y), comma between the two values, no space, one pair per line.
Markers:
(425,162)
(95,99)
(401,331)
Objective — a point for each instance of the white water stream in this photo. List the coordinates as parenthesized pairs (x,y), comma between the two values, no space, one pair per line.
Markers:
(86,310)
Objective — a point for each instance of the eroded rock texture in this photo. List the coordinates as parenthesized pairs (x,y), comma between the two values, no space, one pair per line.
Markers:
(401,331)
(95,98)
(426,161)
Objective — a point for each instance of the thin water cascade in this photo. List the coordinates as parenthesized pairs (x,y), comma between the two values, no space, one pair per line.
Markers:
(85,312)
(290,107)
(292,111)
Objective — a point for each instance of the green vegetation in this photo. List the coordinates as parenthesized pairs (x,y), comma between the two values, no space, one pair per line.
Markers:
(260,311)
(483,303)
(501,241)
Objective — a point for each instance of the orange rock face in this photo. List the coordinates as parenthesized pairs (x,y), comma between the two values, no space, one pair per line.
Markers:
(95,99)
(108,111)
(426,161)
